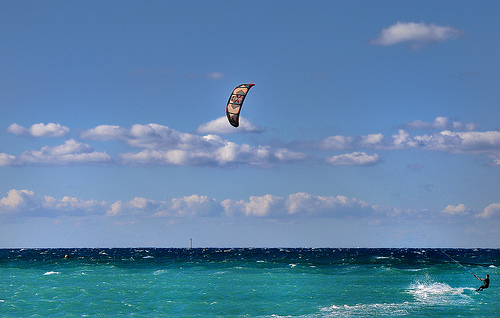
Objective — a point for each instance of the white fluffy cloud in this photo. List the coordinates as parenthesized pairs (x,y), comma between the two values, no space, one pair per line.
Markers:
(165,146)
(7,160)
(336,143)
(221,126)
(453,210)
(353,159)
(265,206)
(26,203)
(495,159)
(15,129)
(104,132)
(151,136)
(453,142)
(39,130)
(491,211)
(189,206)
(440,123)
(416,34)
(70,153)
(161,145)
(299,205)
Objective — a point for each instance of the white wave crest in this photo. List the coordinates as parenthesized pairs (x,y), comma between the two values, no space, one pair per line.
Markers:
(430,292)
(368,310)
(51,273)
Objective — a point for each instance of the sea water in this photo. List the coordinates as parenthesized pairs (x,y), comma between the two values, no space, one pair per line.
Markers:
(248,282)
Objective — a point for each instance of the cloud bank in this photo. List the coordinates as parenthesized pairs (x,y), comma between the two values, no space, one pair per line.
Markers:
(158,145)
(26,204)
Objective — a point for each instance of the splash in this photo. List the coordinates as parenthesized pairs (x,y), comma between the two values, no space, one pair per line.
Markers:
(425,290)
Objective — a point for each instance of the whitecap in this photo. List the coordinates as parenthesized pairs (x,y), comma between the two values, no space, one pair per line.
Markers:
(51,273)
(368,310)
(430,292)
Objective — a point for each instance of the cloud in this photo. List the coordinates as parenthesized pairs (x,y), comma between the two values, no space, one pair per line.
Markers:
(17,130)
(151,136)
(453,142)
(104,132)
(495,160)
(298,205)
(373,140)
(491,211)
(452,210)
(310,205)
(415,34)
(336,143)
(70,153)
(20,200)
(189,206)
(39,130)
(473,141)
(7,160)
(26,203)
(440,123)
(161,145)
(215,76)
(264,206)
(165,146)
(353,159)
(221,154)
(220,126)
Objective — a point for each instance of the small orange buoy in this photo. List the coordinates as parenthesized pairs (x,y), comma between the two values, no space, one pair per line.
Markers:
(66,256)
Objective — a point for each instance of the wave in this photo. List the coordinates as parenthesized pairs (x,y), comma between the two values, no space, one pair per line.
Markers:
(51,273)
(367,310)
(427,291)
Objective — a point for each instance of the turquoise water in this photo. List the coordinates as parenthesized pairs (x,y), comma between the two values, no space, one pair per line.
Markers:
(247,283)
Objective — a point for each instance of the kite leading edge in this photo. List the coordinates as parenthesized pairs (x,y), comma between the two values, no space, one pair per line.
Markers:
(235,102)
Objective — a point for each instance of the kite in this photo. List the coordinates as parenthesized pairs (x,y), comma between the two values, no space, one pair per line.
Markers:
(235,102)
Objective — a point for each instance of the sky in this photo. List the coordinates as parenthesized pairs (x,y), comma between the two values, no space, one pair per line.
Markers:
(371,124)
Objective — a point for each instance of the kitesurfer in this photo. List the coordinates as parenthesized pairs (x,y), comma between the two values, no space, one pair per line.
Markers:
(486,282)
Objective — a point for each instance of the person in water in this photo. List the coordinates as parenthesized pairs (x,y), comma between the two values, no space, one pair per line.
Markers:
(486,282)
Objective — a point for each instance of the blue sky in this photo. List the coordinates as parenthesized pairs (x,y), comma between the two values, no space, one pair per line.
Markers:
(371,124)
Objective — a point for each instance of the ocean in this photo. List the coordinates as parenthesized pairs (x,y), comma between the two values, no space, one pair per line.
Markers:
(248,282)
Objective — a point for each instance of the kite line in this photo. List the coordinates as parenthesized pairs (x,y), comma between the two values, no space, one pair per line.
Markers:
(457,262)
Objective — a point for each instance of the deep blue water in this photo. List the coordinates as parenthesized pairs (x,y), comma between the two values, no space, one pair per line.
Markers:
(150,282)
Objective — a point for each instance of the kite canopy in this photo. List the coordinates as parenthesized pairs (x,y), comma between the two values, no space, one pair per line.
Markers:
(235,102)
